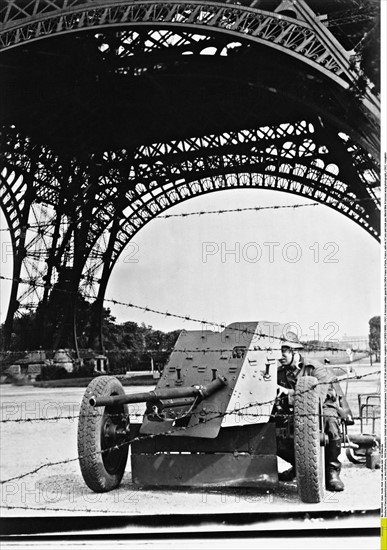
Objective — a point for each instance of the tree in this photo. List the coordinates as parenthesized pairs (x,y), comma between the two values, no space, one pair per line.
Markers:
(374,336)
(127,345)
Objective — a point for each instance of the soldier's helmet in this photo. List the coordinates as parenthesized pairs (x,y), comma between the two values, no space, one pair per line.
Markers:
(291,341)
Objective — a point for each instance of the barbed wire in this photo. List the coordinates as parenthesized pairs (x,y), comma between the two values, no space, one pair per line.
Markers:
(220,211)
(172,431)
(60,417)
(147,309)
(204,351)
(218,325)
(255,208)
(235,210)
(232,350)
(141,415)
(245,349)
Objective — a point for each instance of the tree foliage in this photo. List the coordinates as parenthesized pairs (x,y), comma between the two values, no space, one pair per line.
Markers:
(128,346)
(374,336)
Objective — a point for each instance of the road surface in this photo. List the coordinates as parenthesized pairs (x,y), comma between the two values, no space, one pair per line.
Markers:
(60,489)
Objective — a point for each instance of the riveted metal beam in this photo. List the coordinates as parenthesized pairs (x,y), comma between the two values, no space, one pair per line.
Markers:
(304,37)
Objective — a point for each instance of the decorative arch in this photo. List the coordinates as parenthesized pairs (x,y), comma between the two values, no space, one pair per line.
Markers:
(92,191)
(303,37)
(107,199)
(307,180)
(292,158)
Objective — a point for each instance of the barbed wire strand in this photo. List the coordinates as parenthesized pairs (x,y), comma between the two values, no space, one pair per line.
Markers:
(171,431)
(215,324)
(344,200)
(235,210)
(141,415)
(147,309)
(204,351)
(255,208)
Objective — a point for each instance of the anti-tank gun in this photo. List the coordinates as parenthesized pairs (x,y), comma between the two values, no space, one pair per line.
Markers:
(208,422)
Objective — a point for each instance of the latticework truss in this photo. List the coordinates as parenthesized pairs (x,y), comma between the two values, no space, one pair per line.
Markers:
(162,102)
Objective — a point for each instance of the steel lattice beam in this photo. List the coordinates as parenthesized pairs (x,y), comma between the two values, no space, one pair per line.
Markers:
(291,157)
(73,200)
(303,37)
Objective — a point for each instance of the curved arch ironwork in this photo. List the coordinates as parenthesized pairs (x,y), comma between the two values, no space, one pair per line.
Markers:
(109,198)
(157,176)
(90,201)
(308,180)
(303,37)
(290,158)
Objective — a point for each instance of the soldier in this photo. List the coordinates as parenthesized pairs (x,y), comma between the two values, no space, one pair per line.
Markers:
(292,366)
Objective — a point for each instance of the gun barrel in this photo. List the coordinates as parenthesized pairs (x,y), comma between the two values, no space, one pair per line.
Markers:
(156,395)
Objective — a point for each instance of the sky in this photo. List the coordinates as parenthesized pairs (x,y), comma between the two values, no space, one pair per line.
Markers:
(311,266)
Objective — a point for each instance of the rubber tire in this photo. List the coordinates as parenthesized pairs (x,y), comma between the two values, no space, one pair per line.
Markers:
(91,420)
(309,454)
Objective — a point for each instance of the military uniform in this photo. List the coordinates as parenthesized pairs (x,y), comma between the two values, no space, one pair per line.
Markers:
(287,377)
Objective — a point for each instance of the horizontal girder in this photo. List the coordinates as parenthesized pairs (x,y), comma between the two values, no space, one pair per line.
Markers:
(302,36)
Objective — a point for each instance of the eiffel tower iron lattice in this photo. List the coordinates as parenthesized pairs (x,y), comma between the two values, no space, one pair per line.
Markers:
(115,111)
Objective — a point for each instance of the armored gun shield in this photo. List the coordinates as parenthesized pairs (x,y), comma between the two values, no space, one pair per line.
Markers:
(224,438)
(241,356)
(207,423)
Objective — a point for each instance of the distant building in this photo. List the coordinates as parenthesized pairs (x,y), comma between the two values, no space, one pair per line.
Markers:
(26,366)
(355,343)
(29,366)
(346,350)
(99,362)
(62,359)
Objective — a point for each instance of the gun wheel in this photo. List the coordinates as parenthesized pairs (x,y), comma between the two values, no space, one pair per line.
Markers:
(102,436)
(308,441)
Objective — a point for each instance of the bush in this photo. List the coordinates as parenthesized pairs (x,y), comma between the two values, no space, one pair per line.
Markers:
(121,361)
(50,372)
(85,371)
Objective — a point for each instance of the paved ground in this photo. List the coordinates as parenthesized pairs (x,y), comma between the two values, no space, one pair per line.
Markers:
(60,489)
